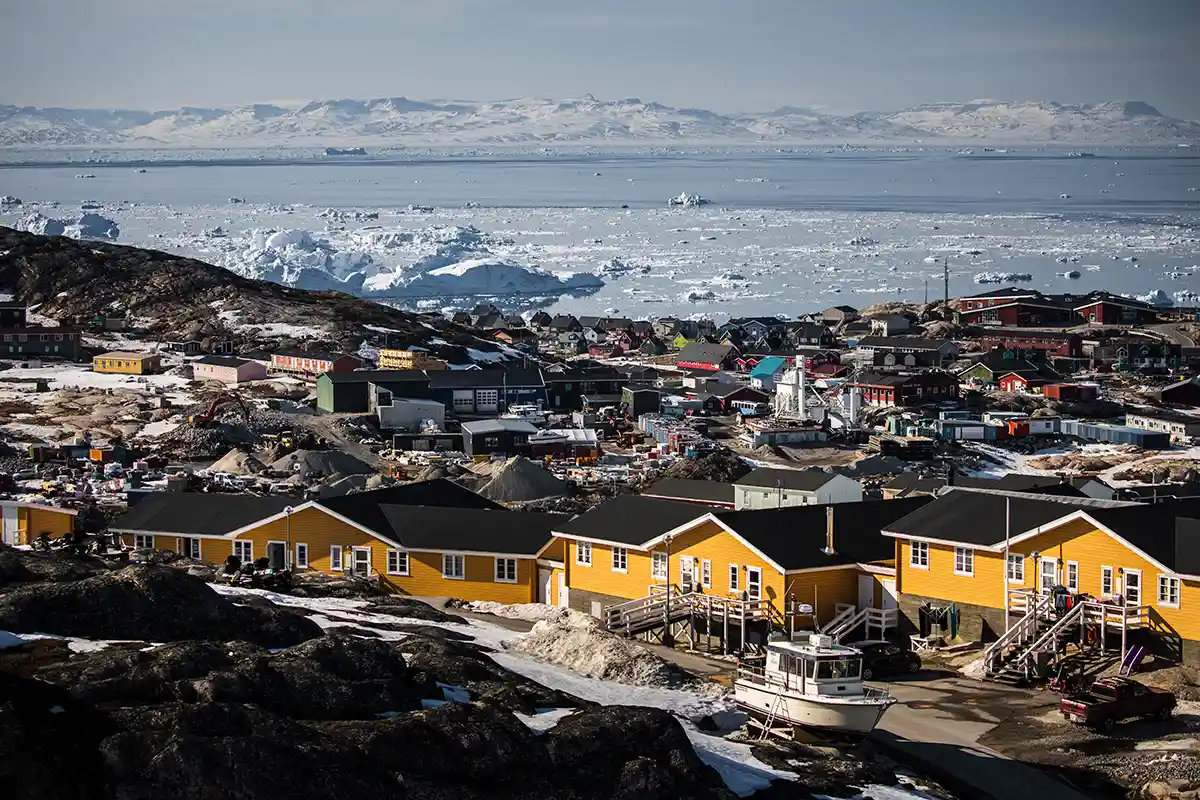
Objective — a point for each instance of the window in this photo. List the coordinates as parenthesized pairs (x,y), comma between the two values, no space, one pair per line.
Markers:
(620,559)
(335,557)
(506,570)
(1168,591)
(1016,568)
(734,574)
(243,550)
(1073,576)
(189,548)
(706,574)
(918,555)
(302,555)
(1106,580)
(397,562)
(583,553)
(658,566)
(964,560)
(143,541)
(454,567)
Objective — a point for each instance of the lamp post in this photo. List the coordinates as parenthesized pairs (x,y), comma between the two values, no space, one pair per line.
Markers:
(667,640)
(287,527)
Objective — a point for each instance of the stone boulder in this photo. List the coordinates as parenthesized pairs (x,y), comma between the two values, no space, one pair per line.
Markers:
(148,603)
(399,606)
(27,566)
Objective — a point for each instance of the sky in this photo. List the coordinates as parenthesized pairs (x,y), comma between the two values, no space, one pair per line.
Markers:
(723,55)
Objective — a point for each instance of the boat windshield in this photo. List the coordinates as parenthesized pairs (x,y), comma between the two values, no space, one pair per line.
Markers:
(838,669)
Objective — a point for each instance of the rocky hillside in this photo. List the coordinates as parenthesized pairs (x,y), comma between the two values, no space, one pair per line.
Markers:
(168,296)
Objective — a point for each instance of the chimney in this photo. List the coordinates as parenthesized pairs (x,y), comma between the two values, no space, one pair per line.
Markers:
(829,530)
(950,473)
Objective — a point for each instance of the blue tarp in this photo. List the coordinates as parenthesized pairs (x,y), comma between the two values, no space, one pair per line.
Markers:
(768,367)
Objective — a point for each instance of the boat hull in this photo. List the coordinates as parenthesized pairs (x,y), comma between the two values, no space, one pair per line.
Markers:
(844,714)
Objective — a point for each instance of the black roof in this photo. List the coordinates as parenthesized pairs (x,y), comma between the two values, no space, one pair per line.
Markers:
(1017,333)
(977,516)
(694,491)
(804,480)
(885,379)
(471,529)
(487,378)
(383,376)
(197,514)
(631,519)
(591,373)
(223,361)
(704,352)
(794,537)
(364,507)
(909,482)
(1167,532)
(902,342)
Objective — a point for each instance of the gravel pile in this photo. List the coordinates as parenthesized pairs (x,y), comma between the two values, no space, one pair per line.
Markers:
(720,465)
(311,463)
(238,462)
(519,480)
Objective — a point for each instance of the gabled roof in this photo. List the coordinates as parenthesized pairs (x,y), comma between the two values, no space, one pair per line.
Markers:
(802,480)
(1017,333)
(364,507)
(1010,292)
(473,530)
(903,342)
(768,367)
(223,361)
(704,353)
(691,491)
(629,520)
(196,513)
(381,376)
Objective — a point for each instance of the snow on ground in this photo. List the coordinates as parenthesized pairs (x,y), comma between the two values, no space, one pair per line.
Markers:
(160,428)
(1000,461)
(531,612)
(79,376)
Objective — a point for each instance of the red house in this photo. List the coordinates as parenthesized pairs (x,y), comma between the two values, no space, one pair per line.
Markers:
(1015,382)
(309,363)
(907,390)
(1102,308)
(706,356)
(1071,391)
(1048,342)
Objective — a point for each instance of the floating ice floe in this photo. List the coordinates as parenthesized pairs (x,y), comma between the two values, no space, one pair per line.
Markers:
(8,200)
(87,226)
(1003,277)
(698,295)
(85,175)
(686,200)
(932,260)
(236,200)
(1071,273)
(862,241)
(342,215)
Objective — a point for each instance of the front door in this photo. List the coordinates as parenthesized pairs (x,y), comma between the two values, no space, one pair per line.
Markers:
(276,554)
(889,593)
(685,573)
(1047,574)
(562,590)
(754,583)
(362,561)
(9,521)
(866,591)
(1133,587)
(545,585)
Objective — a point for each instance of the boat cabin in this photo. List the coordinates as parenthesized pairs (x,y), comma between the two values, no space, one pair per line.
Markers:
(817,666)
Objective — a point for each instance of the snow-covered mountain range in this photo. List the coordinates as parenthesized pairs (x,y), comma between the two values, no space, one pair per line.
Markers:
(536,121)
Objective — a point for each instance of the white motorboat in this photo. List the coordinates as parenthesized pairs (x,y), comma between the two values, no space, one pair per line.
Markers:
(529,413)
(813,684)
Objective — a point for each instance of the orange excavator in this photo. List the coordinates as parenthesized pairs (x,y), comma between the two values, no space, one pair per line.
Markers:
(218,404)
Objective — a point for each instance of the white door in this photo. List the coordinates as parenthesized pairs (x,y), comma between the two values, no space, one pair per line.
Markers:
(563,591)
(9,528)
(754,583)
(685,573)
(889,593)
(866,592)
(1047,574)
(545,585)
(362,561)
(1133,587)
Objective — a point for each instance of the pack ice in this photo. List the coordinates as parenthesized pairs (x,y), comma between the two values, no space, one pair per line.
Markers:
(87,226)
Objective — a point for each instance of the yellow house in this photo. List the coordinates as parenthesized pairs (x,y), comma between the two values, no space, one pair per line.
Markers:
(811,561)
(475,553)
(988,552)
(390,358)
(127,363)
(22,523)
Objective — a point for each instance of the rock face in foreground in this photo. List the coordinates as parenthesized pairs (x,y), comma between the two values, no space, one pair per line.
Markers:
(148,603)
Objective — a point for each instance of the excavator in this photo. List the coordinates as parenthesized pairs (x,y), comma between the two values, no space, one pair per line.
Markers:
(218,404)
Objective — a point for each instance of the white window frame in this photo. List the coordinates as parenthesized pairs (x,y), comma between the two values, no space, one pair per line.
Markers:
(143,541)
(1072,584)
(735,575)
(185,542)
(1055,578)
(749,583)
(659,565)
(1141,590)
(302,555)
(393,562)
(504,561)
(583,554)
(706,573)
(1170,582)
(915,547)
(620,555)
(453,560)
(248,546)
(1015,560)
(335,558)
(354,551)
(1108,575)
(964,561)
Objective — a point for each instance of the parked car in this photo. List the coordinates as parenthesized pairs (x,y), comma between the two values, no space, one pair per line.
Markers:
(1111,700)
(883,659)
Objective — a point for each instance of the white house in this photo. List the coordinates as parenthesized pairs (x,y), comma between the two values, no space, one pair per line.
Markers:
(228,370)
(890,325)
(775,488)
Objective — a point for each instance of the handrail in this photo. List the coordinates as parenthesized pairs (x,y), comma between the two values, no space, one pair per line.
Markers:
(847,625)
(839,618)
(1065,621)
(1023,629)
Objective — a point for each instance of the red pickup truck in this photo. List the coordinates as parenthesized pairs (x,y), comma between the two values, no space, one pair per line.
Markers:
(1111,700)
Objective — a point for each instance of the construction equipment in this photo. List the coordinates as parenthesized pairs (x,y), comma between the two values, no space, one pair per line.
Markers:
(218,404)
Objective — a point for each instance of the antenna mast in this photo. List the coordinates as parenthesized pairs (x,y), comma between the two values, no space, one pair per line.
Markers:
(946,279)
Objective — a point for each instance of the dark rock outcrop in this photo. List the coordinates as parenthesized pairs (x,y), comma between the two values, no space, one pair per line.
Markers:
(27,566)
(398,606)
(148,603)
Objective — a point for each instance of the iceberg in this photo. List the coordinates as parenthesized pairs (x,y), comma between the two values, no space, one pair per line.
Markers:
(87,226)
(1003,277)
(685,200)
(8,200)
(488,278)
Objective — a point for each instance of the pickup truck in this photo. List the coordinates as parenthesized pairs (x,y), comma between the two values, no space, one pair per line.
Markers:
(1111,700)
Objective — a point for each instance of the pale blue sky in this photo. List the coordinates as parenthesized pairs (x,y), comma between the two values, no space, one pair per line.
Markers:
(736,55)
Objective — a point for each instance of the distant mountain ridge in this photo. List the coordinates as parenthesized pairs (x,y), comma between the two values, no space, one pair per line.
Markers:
(400,121)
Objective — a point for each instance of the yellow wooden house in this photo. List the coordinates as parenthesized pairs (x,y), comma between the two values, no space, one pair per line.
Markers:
(22,523)
(796,567)
(474,553)
(127,363)
(978,559)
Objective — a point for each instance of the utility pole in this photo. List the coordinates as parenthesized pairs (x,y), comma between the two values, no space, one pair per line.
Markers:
(927,291)
(946,280)
(667,639)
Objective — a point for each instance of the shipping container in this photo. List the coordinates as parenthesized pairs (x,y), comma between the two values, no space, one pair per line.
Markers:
(1116,434)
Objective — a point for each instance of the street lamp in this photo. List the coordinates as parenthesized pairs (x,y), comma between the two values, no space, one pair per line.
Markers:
(287,526)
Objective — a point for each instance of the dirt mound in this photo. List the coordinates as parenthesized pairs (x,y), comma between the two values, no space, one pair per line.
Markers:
(238,462)
(312,463)
(720,465)
(519,480)
(580,644)
(1087,462)
(147,603)
(1162,470)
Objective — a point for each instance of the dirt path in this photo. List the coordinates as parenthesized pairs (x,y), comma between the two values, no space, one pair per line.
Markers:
(323,425)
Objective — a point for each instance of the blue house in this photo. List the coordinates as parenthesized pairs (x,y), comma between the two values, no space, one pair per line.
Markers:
(486,392)
(766,372)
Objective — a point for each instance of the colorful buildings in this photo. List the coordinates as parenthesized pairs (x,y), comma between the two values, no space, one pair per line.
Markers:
(228,370)
(122,363)
(310,364)
(22,523)
(409,359)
